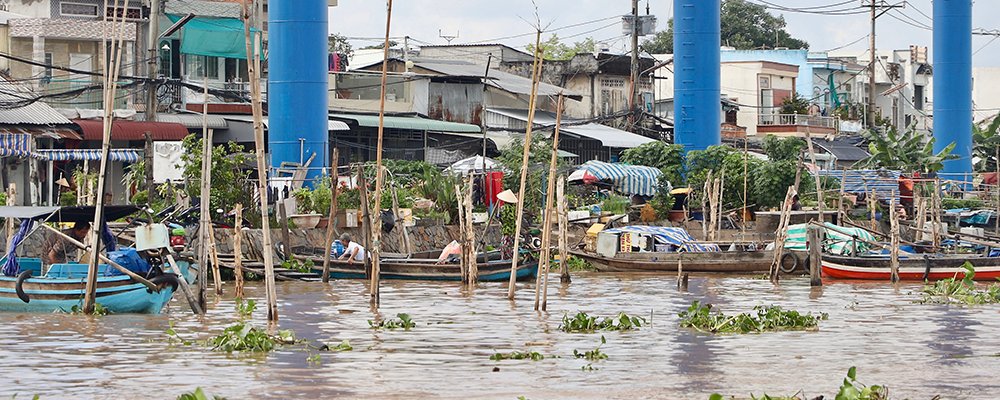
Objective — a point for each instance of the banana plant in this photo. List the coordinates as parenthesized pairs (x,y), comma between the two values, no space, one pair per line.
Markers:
(986,141)
(908,151)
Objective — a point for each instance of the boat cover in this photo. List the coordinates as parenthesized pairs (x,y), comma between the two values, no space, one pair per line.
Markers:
(677,237)
(624,178)
(885,183)
(836,242)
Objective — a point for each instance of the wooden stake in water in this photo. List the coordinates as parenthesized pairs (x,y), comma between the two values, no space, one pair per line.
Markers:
(894,238)
(563,231)
(546,254)
(820,205)
(331,219)
(253,67)
(216,275)
(238,251)
(204,234)
(470,237)
(376,249)
(110,87)
(406,230)
(535,78)
(462,222)
(781,233)
(815,239)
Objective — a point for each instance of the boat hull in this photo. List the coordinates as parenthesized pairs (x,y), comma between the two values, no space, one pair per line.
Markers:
(494,271)
(721,262)
(915,269)
(119,295)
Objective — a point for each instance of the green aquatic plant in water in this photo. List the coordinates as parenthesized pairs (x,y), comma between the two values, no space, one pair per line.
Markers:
(763,319)
(245,308)
(850,389)
(518,355)
(403,321)
(243,337)
(577,264)
(198,394)
(952,290)
(592,355)
(99,310)
(584,323)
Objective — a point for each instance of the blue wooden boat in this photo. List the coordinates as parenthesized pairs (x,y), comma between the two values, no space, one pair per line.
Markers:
(61,287)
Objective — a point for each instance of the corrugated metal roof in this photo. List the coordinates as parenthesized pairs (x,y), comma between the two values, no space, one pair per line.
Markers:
(608,136)
(332,125)
(36,113)
(191,121)
(413,123)
(498,79)
(204,8)
(845,149)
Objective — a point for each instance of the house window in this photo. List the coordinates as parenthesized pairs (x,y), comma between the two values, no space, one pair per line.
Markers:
(200,67)
(918,97)
(130,13)
(68,9)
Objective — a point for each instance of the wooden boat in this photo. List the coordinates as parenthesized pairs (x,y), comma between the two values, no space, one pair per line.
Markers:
(31,287)
(911,267)
(722,261)
(62,288)
(426,269)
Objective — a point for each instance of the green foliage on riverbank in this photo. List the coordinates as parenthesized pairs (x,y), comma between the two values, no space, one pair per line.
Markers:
(763,319)
(584,323)
(962,291)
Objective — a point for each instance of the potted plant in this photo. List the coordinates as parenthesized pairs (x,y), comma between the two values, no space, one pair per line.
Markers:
(307,217)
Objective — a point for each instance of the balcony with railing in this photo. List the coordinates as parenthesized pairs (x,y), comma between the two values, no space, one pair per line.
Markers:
(795,124)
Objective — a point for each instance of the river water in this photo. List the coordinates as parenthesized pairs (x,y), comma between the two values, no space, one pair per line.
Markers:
(918,350)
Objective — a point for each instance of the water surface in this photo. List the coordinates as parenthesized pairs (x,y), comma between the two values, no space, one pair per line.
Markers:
(918,350)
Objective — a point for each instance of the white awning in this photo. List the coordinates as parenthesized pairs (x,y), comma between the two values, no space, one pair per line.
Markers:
(608,136)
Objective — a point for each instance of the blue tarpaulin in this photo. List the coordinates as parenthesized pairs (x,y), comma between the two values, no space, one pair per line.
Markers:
(679,238)
(885,183)
(15,145)
(624,178)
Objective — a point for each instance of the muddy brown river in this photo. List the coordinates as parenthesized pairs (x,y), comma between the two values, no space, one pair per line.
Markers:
(918,350)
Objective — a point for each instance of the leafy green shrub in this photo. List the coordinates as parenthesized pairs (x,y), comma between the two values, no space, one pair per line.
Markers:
(952,203)
(668,158)
(616,204)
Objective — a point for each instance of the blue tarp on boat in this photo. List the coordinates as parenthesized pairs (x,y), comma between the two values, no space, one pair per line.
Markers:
(885,183)
(624,178)
(677,237)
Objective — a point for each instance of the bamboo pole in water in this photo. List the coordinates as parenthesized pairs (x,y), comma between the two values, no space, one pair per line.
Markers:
(705,211)
(781,233)
(331,219)
(463,262)
(204,234)
(546,254)
(894,241)
(110,87)
(253,67)
(376,249)
(216,276)
(563,231)
(536,72)
(472,269)
(841,213)
(819,183)
(936,213)
(406,230)
(238,251)
(185,287)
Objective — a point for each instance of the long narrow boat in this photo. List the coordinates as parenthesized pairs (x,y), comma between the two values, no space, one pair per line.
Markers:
(911,268)
(62,289)
(424,269)
(30,287)
(725,261)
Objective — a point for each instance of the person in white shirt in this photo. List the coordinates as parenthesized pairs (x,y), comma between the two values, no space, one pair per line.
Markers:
(352,250)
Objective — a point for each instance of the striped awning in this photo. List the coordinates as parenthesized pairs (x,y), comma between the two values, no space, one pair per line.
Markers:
(122,155)
(15,144)
(626,179)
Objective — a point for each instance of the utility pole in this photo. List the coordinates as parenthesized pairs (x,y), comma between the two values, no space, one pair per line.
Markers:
(152,39)
(878,9)
(634,87)
(152,71)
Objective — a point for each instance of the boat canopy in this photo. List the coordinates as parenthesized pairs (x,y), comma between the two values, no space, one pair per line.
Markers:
(837,240)
(66,214)
(624,178)
(679,238)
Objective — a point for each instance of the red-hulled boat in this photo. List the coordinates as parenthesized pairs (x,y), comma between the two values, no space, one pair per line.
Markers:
(916,267)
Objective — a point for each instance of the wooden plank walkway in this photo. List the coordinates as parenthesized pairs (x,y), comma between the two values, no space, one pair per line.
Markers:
(282,274)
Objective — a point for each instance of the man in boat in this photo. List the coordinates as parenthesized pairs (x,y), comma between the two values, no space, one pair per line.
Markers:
(352,250)
(55,247)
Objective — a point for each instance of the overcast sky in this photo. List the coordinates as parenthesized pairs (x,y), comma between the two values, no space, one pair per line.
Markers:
(496,21)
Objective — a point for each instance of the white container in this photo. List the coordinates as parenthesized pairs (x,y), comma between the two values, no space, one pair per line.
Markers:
(305,221)
(580,217)
(973,231)
(152,237)
(607,244)
(351,218)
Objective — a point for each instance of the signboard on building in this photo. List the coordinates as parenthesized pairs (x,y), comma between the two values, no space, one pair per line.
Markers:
(167,163)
